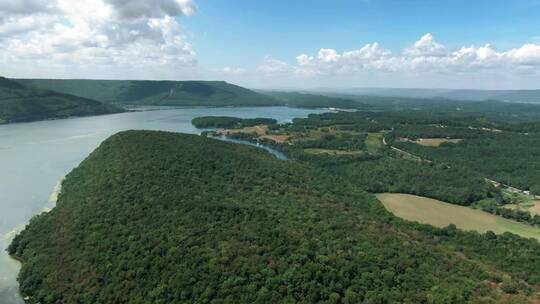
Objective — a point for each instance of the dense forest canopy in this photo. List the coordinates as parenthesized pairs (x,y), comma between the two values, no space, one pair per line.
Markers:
(169,218)
(230,122)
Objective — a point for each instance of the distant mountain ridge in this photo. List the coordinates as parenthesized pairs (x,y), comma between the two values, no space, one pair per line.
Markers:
(19,103)
(526,96)
(156,92)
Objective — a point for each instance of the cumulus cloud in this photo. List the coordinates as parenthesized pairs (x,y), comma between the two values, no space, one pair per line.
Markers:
(424,56)
(110,34)
(134,9)
(426,47)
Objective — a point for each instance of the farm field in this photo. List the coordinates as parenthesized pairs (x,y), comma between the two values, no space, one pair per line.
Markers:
(432,142)
(440,214)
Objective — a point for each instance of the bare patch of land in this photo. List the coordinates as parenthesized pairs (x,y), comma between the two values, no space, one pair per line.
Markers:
(259,130)
(440,214)
(431,142)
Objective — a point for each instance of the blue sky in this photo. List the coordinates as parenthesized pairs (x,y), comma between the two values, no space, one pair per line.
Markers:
(491,44)
(251,30)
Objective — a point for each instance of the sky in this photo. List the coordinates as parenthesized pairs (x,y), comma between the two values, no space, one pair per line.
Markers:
(476,44)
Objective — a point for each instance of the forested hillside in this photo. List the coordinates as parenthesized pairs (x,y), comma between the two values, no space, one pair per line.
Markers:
(305,100)
(164,93)
(156,217)
(19,104)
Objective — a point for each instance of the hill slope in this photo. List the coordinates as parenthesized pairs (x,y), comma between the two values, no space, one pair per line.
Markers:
(156,217)
(166,93)
(19,103)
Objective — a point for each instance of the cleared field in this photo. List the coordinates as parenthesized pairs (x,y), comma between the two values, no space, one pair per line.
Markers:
(259,130)
(440,214)
(331,152)
(277,138)
(373,142)
(432,142)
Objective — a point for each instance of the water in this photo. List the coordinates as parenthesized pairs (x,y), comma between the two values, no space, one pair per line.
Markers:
(34,157)
(278,154)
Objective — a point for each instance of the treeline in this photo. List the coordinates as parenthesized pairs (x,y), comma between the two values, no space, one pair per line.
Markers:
(497,208)
(230,122)
(415,131)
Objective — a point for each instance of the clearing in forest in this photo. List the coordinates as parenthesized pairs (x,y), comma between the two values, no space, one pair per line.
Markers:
(373,142)
(440,214)
(259,130)
(432,142)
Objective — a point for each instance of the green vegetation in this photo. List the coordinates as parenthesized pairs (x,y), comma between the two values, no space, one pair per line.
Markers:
(163,93)
(21,104)
(376,170)
(304,100)
(156,217)
(507,157)
(501,209)
(230,122)
(374,142)
(441,214)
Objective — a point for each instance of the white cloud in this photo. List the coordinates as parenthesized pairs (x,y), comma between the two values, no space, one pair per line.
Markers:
(304,59)
(426,47)
(69,35)
(425,56)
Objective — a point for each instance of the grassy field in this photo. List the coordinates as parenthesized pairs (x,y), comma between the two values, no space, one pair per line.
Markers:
(373,142)
(440,214)
(259,130)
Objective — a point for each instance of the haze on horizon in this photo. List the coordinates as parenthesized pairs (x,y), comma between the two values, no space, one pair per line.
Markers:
(282,44)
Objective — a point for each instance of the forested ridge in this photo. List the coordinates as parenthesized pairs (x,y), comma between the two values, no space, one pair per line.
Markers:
(156,217)
(162,93)
(21,104)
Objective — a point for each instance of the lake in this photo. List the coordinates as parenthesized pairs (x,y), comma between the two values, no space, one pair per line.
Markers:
(35,156)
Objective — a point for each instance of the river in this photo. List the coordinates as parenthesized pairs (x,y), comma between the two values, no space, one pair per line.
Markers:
(35,156)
